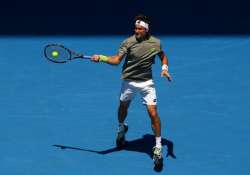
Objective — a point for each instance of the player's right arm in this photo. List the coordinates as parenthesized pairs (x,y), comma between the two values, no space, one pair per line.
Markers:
(113,60)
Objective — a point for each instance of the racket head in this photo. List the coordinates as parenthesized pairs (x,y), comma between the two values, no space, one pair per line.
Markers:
(57,53)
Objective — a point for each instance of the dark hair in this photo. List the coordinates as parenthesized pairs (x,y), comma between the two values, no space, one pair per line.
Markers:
(143,18)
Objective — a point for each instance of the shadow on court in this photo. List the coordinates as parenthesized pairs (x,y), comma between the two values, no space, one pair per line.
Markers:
(142,145)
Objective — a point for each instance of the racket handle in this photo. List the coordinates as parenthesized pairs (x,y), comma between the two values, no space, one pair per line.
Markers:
(86,57)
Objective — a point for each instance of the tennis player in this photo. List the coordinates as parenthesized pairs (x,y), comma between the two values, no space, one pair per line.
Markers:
(139,52)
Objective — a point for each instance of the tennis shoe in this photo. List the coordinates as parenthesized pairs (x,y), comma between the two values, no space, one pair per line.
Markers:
(120,139)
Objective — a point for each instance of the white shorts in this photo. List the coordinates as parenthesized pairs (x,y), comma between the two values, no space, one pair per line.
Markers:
(146,89)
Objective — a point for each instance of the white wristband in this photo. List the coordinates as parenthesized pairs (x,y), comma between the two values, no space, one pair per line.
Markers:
(164,67)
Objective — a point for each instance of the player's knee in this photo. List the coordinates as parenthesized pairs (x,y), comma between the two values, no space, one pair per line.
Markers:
(153,113)
(155,117)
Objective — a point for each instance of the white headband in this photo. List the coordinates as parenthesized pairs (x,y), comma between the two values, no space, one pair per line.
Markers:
(142,23)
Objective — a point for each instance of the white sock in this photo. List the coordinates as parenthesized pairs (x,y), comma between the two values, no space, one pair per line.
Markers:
(158,142)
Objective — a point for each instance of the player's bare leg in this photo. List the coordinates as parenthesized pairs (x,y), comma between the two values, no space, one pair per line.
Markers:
(155,120)
(156,127)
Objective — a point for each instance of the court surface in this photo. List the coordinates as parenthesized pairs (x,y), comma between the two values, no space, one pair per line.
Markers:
(204,111)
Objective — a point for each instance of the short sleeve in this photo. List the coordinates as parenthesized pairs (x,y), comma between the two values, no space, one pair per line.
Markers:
(123,48)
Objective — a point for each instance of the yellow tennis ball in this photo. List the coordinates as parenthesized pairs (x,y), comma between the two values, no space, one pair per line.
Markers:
(55,54)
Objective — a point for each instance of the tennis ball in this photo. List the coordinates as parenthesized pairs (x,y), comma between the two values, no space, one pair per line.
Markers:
(55,54)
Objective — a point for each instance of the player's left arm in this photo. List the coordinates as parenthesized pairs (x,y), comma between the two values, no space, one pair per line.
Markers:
(164,62)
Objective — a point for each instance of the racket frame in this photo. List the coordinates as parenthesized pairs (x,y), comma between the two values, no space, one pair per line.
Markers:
(72,55)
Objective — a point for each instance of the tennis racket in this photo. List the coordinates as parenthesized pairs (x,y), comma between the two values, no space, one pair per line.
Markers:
(60,54)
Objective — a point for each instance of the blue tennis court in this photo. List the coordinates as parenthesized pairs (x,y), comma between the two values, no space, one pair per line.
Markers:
(46,106)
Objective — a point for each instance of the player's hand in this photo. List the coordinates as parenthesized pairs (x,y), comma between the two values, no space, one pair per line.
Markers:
(95,58)
(166,74)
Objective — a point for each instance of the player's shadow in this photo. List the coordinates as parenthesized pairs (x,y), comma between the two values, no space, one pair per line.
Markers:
(142,145)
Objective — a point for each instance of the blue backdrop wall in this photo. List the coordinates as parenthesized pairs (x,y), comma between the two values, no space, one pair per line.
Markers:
(93,17)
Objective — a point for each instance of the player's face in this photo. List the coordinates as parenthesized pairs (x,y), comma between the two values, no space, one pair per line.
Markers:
(140,32)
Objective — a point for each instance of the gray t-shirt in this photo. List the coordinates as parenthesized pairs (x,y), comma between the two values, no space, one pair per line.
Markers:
(139,57)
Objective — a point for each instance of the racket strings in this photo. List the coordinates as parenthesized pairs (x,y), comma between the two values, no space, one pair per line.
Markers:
(57,53)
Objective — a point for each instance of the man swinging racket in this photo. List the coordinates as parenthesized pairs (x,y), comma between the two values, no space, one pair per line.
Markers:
(140,51)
